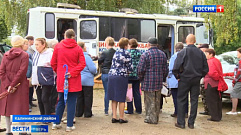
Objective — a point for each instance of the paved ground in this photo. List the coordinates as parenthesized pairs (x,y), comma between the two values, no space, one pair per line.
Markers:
(101,124)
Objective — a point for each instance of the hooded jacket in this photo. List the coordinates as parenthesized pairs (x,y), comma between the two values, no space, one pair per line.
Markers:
(13,71)
(68,52)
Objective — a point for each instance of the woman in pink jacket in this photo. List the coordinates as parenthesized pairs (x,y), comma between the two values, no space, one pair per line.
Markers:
(69,53)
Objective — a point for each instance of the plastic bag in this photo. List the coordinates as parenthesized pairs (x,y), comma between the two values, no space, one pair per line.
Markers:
(129,93)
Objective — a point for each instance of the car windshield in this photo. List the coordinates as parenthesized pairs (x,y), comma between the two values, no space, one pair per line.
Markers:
(228,58)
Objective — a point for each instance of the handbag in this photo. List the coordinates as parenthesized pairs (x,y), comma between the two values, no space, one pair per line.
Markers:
(45,75)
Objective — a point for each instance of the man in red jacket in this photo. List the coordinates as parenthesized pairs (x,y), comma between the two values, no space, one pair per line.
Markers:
(68,52)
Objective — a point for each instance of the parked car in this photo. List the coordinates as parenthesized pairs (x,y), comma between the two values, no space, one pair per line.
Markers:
(4,47)
(228,61)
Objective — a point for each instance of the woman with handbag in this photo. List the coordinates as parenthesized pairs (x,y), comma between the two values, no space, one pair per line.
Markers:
(13,72)
(213,85)
(43,75)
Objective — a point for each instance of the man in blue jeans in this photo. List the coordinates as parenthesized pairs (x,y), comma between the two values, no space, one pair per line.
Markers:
(105,61)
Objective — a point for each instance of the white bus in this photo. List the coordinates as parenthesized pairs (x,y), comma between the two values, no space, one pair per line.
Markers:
(92,27)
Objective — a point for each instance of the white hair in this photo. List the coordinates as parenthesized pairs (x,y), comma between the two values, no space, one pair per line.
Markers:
(17,41)
(51,43)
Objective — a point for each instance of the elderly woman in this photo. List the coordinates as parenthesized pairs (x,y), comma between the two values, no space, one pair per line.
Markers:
(54,94)
(13,71)
(118,80)
(85,97)
(212,82)
(52,43)
(172,81)
(43,75)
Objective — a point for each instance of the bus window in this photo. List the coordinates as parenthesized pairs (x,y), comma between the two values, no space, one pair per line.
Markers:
(104,27)
(133,29)
(49,25)
(147,29)
(183,31)
(63,25)
(88,29)
(202,36)
(118,28)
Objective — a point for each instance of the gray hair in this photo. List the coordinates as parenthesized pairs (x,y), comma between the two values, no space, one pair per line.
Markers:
(179,46)
(51,43)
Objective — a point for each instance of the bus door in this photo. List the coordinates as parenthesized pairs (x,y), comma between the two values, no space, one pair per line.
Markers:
(63,24)
(166,36)
(183,30)
(89,33)
(203,35)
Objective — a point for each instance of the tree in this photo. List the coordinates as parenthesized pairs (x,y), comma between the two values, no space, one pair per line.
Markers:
(3,29)
(225,24)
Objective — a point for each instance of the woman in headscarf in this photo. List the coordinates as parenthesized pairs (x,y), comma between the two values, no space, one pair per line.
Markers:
(13,72)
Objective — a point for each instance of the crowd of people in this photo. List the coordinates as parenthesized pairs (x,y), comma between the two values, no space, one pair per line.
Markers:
(24,70)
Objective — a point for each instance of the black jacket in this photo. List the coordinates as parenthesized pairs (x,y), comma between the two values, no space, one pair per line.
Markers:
(190,63)
(105,60)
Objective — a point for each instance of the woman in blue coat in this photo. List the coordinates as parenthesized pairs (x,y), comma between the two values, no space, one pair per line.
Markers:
(85,97)
(172,81)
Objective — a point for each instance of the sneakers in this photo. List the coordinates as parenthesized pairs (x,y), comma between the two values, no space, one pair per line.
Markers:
(56,126)
(231,113)
(65,121)
(68,129)
(106,113)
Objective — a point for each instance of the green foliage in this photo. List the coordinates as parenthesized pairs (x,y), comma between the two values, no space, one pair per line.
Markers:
(3,29)
(226,29)
(7,41)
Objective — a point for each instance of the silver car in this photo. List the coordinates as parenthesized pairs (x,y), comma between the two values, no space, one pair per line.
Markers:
(229,61)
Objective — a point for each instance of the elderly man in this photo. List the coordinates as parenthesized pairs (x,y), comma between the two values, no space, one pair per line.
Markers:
(190,66)
(152,69)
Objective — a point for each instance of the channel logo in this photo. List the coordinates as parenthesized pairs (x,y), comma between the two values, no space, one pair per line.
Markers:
(208,8)
(29,128)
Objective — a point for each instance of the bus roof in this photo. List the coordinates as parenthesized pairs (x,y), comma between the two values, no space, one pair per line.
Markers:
(115,14)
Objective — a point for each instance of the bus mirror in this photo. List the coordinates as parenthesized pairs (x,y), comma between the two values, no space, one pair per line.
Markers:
(199,24)
(210,36)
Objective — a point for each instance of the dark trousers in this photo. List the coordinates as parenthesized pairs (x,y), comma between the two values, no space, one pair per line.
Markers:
(174,92)
(184,87)
(53,98)
(30,95)
(136,96)
(71,103)
(161,101)
(214,102)
(84,102)
(43,95)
